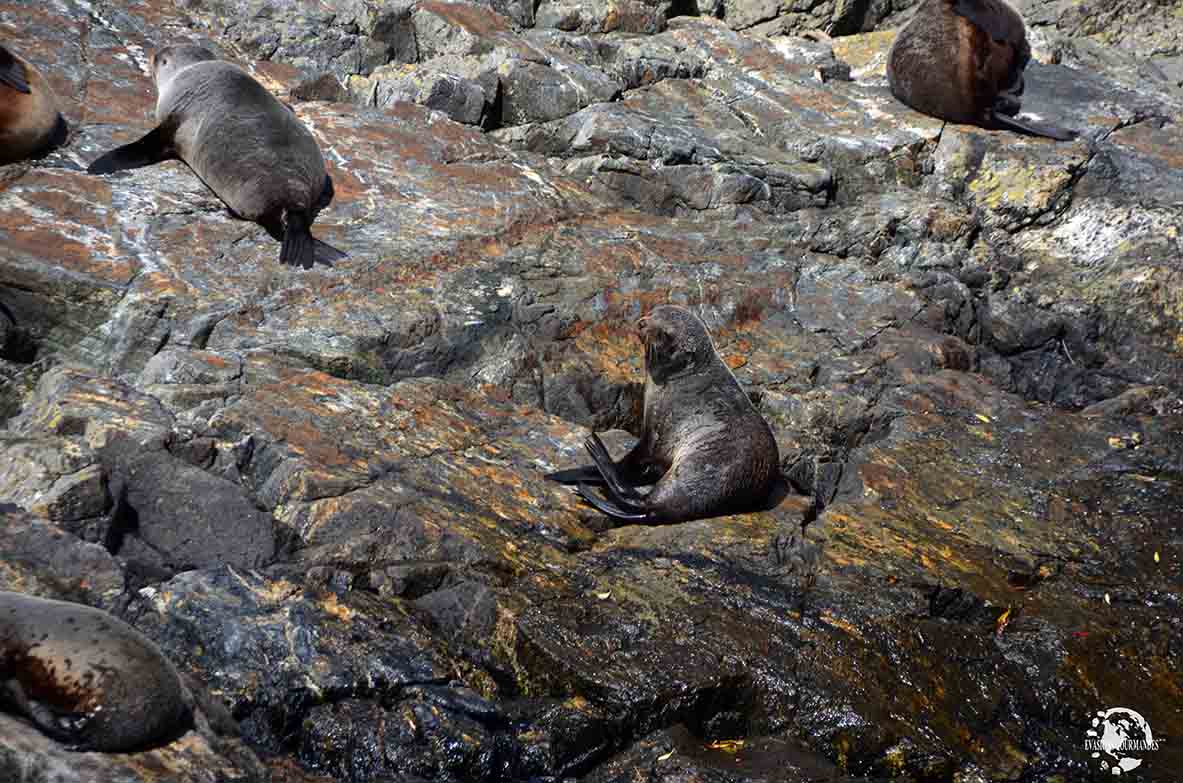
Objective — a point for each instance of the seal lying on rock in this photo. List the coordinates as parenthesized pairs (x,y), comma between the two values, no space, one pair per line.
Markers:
(30,123)
(962,61)
(249,148)
(86,678)
(705,445)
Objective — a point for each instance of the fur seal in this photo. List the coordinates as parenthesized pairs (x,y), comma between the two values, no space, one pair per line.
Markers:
(247,147)
(704,446)
(86,678)
(962,61)
(30,123)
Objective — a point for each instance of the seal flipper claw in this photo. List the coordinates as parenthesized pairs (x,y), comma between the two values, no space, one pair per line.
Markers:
(621,492)
(153,147)
(1035,128)
(603,506)
(12,73)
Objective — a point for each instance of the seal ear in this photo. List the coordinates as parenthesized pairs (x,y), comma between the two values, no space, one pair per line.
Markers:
(155,146)
(12,72)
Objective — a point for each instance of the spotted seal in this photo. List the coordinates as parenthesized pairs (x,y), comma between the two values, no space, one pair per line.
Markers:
(86,678)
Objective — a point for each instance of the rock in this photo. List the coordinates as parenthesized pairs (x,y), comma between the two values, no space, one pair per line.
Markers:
(56,478)
(180,516)
(324,492)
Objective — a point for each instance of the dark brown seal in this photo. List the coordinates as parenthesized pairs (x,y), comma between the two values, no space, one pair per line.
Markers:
(962,61)
(705,445)
(86,678)
(30,124)
(247,147)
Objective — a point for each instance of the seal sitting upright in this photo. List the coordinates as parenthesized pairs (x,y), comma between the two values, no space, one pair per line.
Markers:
(86,678)
(30,123)
(249,148)
(705,445)
(962,61)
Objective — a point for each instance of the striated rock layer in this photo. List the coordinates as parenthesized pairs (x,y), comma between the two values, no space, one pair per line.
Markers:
(321,492)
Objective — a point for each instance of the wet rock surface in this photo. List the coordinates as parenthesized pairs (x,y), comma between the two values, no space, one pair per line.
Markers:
(321,492)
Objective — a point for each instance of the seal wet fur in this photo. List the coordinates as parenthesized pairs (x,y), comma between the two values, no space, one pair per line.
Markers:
(962,61)
(86,678)
(247,147)
(704,446)
(30,123)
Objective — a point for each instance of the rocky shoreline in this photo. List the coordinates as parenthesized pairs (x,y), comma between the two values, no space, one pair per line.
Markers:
(321,493)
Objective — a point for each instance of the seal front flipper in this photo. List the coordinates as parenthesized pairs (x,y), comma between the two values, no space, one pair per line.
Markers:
(589,496)
(155,146)
(64,726)
(1035,128)
(12,72)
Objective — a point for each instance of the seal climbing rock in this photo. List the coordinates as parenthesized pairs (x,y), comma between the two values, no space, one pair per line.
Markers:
(250,149)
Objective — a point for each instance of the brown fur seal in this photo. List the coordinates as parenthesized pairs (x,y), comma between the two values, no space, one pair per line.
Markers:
(249,148)
(962,61)
(86,678)
(30,124)
(705,445)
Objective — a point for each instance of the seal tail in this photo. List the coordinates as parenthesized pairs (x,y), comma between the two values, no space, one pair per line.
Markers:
(1035,128)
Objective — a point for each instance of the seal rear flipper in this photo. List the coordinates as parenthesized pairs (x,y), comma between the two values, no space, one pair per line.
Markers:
(325,253)
(298,248)
(588,474)
(12,72)
(603,506)
(621,492)
(1035,128)
(153,147)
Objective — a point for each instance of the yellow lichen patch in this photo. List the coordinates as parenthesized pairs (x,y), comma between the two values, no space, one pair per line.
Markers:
(837,622)
(727,745)
(866,54)
(1009,183)
(332,606)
